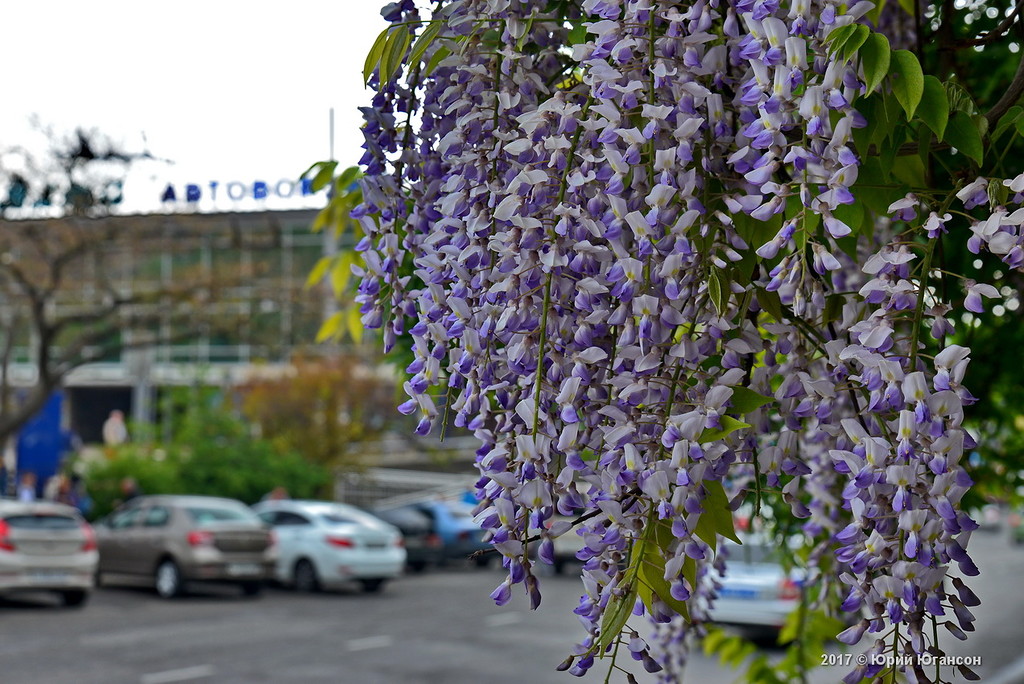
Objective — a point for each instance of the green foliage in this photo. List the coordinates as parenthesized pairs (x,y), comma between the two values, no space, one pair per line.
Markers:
(907,80)
(746,400)
(211,453)
(156,470)
(875,58)
(963,134)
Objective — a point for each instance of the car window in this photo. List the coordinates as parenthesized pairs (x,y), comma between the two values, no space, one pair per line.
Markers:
(336,519)
(42,522)
(289,518)
(211,515)
(156,516)
(427,512)
(122,519)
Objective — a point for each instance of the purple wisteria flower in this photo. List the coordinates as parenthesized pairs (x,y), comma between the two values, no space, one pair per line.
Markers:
(626,268)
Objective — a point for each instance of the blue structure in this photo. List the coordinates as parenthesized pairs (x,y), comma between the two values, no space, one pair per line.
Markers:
(42,444)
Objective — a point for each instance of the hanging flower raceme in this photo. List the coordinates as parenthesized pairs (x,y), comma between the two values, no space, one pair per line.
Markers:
(620,242)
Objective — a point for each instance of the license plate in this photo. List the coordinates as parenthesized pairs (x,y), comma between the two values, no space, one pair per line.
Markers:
(376,546)
(242,569)
(726,592)
(49,576)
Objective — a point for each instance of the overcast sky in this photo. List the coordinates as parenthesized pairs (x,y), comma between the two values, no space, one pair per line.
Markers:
(228,90)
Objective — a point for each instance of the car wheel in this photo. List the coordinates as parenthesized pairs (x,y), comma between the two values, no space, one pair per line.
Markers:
(559,567)
(418,566)
(252,588)
(304,577)
(483,561)
(372,586)
(74,598)
(168,580)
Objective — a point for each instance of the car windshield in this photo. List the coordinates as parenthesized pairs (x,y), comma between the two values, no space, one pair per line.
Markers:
(42,522)
(211,515)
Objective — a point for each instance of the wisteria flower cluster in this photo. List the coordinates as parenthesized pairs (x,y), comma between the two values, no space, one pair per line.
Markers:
(626,242)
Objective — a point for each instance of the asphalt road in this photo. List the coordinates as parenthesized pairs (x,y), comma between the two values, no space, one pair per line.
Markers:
(438,627)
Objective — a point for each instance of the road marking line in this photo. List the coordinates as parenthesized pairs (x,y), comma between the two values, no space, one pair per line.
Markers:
(503,619)
(182,675)
(367,643)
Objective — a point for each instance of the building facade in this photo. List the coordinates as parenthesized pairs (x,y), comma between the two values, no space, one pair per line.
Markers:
(155,301)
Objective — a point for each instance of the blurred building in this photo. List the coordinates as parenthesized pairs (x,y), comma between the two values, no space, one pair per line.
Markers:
(248,312)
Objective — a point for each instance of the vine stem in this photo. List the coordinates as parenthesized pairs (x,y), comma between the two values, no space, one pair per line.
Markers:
(925,274)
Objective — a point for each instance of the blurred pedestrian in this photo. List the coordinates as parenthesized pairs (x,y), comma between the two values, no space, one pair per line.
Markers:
(81,494)
(115,432)
(27,486)
(65,493)
(276,494)
(129,489)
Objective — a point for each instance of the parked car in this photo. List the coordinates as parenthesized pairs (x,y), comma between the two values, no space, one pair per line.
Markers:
(423,546)
(566,545)
(323,545)
(46,546)
(756,592)
(171,541)
(453,522)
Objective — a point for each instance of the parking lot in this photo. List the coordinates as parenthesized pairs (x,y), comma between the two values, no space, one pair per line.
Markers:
(436,627)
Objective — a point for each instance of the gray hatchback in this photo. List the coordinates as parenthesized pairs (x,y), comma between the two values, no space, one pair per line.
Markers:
(168,541)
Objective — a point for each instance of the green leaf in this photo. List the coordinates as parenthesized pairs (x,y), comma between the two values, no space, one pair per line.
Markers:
(331,328)
(718,292)
(729,426)
(962,133)
(852,215)
(770,303)
(346,179)
(1010,118)
(908,6)
(374,55)
(423,42)
(745,400)
(934,109)
(324,175)
(833,308)
(648,560)
(323,218)
(874,58)
(908,80)
(435,59)
(577,35)
(394,51)
(716,518)
(875,12)
(354,323)
(616,613)
(341,273)
(837,38)
(319,271)
(855,41)
(909,169)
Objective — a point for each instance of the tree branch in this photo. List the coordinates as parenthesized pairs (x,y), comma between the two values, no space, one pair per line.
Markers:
(1009,98)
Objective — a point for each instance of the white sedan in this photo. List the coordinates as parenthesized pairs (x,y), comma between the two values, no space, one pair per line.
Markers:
(46,547)
(323,545)
(756,592)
